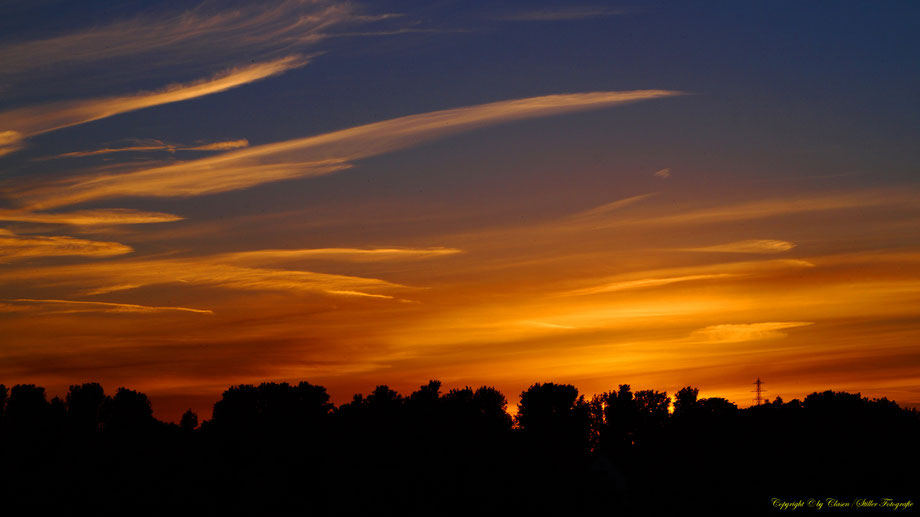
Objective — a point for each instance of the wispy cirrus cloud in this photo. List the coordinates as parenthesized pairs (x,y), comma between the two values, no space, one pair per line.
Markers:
(84,306)
(597,218)
(19,124)
(155,145)
(734,333)
(781,206)
(14,247)
(747,246)
(338,254)
(609,287)
(251,270)
(198,38)
(102,217)
(201,271)
(607,208)
(663,277)
(10,142)
(320,154)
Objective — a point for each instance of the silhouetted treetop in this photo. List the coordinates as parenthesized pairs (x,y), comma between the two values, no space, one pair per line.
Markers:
(555,413)
(85,403)
(271,406)
(27,409)
(189,421)
(127,411)
(685,400)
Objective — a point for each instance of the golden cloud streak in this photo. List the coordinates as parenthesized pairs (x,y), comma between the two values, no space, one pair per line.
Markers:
(340,254)
(644,283)
(217,146)
(734,333)
(194,36)
(664,277)
(108,307)
(780,206)
(31,121)
(112,216)
(10,142)
(321,154)
(156,146)
(194,271)
(605,209)
(14,247)
(748,246)
(598,217)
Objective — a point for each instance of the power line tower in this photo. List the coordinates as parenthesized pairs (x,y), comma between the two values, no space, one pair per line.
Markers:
(758,392)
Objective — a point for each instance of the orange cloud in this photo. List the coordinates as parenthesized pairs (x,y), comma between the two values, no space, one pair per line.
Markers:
(609,287)
(81,306)
(13,247)
(338,254)
(782,206)
(156,145)
(203,271)
(733,333)
(193,36)
(25,122)
(111,216)
(748,246)
(10,142)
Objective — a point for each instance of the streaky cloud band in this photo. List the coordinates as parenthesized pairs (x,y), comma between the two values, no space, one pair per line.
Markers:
(320,154)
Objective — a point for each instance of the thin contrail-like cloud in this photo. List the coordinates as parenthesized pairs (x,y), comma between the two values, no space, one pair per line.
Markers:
(155,145)
(748,246)
(103,217)
(320,154)
(760,209)
(339,254)
(644,283)
(81,306)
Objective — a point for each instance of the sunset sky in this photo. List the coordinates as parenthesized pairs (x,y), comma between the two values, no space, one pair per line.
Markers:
(662,194)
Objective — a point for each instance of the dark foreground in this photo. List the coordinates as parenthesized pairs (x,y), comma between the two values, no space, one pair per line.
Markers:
(280,449)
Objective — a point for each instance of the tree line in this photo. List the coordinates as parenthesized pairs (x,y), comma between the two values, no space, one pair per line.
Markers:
(284,449)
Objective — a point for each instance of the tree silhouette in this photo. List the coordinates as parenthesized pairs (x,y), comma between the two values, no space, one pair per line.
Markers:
(426,396)
(619,417)
(283,449)
(685,400)
(4,395)
(652,410)
(271,407)
(718,406)
(85,404)
(555,414)
(189,421)
(27,410)
(128,411)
